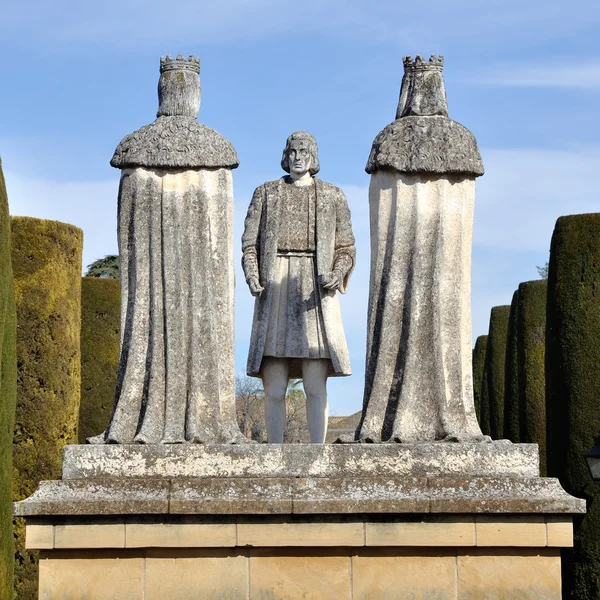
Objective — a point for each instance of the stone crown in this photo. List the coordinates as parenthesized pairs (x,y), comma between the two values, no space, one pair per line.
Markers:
(435,63)
(167,63)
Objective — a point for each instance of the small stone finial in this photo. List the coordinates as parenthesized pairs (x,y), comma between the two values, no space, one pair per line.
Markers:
(422,93)
(167,63)
(179,87)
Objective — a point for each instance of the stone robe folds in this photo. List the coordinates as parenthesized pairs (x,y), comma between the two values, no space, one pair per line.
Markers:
(175,379)
(418,377)
(334,240)
(419,322)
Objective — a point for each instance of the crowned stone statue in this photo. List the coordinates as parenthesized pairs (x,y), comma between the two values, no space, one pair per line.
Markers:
(298,253)
(418,380)
(176,379)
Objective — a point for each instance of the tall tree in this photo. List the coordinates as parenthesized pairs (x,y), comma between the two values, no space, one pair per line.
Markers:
(107,267)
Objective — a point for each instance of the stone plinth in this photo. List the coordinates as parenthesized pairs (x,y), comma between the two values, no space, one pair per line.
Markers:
(343,521)
(496,459)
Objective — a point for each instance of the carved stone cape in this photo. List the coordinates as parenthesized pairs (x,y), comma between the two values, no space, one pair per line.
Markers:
(175,224)
(418,381)
(333,237)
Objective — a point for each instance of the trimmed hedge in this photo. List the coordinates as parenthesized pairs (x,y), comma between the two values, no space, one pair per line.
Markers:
(100,342)
(46,259)
(478,364)
(573,383)
(532,351)
(495,361)
(512,407)
(8,395)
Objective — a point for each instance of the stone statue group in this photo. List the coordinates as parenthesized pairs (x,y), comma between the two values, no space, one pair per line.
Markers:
(176,380)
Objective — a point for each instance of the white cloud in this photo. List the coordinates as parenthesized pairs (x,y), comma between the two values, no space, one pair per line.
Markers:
(575,75)
(133,22)
(91,205)
(524,191)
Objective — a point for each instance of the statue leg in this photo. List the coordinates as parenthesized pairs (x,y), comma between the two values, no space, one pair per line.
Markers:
(314,378)
(274,375)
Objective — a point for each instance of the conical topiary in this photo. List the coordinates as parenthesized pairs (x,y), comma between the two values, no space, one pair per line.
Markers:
(100,326)
(532,350)
(478,365)
(512,408)
(8,393)
(495,361)
(46,259)
(573,383)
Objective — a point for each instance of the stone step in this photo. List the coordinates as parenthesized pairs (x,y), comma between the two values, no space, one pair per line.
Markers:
(495,459)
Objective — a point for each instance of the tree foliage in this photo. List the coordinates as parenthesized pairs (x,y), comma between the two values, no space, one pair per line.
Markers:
(250,409)
(107,267)
(8,393)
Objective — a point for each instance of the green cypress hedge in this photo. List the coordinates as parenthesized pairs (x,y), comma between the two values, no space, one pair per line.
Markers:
(478,364)
(532,371)
(495,361)
(573,383)
(8,395)
(46,259)
(512,408)
(100,342)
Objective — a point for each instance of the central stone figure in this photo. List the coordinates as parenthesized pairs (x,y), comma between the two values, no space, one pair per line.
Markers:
(298,252)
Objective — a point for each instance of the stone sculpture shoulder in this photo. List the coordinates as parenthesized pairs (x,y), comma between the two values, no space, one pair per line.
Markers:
(431,144)
(175,142)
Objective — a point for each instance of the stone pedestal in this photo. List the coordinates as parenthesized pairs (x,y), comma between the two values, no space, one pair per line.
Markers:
(440,520)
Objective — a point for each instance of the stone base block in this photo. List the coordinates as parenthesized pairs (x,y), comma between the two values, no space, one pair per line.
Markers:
(450,558)
(447,459)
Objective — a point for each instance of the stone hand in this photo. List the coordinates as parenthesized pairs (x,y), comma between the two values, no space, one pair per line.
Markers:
(255,287)
(331,281)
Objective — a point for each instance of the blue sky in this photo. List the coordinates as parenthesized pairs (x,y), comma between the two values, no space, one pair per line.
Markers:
(524,76)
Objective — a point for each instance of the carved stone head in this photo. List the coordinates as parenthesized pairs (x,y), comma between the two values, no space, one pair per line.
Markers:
(179,87)
(301,143)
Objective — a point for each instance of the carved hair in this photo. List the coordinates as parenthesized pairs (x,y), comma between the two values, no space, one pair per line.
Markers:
(312,148)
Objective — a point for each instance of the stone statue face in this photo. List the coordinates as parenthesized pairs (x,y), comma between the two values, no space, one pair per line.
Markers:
(299,158)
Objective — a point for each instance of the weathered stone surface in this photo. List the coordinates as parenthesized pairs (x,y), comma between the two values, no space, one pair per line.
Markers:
(418,378)
(231,496)
(501,495)
(298,252)
(423,139)
(176,139)
(432,144)
(176,379)
(159,145)
(302,496)
(345,495)
(96,497)
(300,460)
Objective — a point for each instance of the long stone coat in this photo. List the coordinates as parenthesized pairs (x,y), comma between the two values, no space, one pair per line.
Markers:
(334,248)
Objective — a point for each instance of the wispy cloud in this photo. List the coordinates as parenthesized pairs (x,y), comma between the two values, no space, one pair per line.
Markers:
(574,75)
(91,205)
(524,191)
(133,22)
